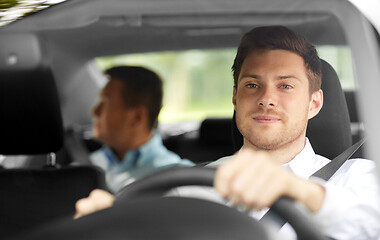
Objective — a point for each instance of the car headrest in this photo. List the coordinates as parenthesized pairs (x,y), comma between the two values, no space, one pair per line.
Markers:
(329,132)
(31,121)
(216,131)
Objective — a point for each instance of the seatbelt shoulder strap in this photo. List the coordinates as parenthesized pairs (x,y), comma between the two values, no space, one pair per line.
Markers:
(325,173)
(329,169)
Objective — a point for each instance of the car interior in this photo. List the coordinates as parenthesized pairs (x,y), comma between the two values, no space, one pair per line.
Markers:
(49,81)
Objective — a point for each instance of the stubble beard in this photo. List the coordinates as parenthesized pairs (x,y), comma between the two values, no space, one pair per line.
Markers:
(273,139)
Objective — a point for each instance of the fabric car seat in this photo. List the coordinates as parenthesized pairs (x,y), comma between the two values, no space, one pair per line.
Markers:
(211,142)
(30,124)
(215,136)
(329,132)
(357,130)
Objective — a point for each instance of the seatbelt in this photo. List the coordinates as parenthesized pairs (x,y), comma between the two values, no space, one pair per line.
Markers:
(76,149)
(329,169)
(324,173)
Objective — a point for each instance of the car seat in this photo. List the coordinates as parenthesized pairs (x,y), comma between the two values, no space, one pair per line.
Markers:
(357,126)
(329,132)
(31,124)
(208,143)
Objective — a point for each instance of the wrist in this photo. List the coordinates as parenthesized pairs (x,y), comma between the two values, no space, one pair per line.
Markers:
(309,193)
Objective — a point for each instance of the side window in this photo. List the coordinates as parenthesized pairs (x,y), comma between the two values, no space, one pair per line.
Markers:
(340,58)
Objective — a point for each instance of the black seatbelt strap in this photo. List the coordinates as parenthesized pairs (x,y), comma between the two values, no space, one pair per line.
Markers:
(329,169)
(324,173)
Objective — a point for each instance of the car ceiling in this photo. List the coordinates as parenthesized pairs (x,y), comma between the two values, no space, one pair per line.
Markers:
(96,28)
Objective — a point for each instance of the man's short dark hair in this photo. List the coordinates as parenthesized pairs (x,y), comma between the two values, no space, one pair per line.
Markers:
(140,87)
(280,37)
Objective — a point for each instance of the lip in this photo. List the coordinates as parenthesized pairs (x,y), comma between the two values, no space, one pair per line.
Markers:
(266,119)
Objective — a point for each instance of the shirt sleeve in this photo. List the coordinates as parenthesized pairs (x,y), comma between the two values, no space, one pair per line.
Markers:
(351,206)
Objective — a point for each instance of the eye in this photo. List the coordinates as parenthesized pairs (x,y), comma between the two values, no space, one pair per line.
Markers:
(286,86)
(252,85)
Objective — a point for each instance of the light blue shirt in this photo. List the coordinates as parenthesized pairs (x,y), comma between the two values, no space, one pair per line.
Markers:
(150,157)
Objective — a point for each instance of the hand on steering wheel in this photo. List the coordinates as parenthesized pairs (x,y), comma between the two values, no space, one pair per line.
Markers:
(159,183)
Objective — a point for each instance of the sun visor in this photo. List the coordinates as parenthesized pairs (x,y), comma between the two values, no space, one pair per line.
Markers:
(20,51)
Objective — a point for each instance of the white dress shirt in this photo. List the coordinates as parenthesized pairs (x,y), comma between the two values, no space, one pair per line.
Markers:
(351,208)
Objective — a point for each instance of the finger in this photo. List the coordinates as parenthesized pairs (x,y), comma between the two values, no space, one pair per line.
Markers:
(226,174)
(245,181)
(257,177)
(269,186)
(259,195)
(97,200)
(84,207)
(101,199)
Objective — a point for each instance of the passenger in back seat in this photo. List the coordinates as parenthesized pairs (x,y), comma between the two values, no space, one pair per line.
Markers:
(125,120)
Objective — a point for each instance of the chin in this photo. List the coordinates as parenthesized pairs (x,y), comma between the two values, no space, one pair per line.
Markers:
(266,147)
(265,143)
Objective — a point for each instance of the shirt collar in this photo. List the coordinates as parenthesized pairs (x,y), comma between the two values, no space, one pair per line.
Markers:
(134,157)
(306,162)
(150,149)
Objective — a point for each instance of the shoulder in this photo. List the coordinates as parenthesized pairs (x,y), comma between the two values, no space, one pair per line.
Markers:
(97,153)
(98,158)
(219,162)
(359,165)
(161,156)
(356,171)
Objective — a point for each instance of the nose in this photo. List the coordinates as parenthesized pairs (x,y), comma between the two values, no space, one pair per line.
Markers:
(267,99)
(96,110)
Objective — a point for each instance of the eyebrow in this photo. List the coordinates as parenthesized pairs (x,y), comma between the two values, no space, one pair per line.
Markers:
(281,77)
(249,76)
(288,76)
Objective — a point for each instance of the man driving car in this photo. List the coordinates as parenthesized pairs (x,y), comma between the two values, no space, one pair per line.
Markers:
(277,80)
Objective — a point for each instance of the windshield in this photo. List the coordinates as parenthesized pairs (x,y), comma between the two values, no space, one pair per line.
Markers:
(12,10)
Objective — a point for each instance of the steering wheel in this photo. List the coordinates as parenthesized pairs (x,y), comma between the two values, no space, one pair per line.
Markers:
(140,212)
(161,182)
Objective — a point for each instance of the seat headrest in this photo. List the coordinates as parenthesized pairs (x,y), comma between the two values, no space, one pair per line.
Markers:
(31,121)
(216,131)
(329,132)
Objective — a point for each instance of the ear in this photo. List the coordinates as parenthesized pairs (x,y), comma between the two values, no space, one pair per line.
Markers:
(234,97)
(138,116)
(316,103)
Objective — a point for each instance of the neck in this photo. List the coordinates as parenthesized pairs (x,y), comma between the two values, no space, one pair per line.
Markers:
(282,154)
(135,142)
